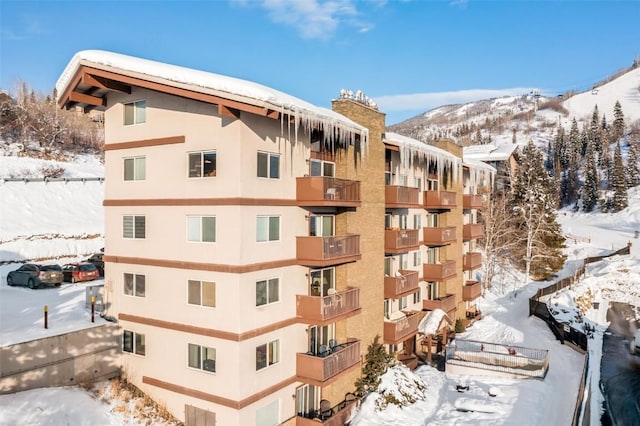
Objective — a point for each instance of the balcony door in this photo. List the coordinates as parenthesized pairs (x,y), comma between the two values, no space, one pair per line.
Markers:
(307,401)
(322,168)
(321,280)
(321,225)
(433,221)
(320,338)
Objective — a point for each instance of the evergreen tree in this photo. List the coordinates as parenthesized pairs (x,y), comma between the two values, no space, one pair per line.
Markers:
(561,155)
(590,188)
(539,237)
(619,182)
(575,144)
(377,360)
(595,131)
(618,122)
(584,139)
(633,172)
(606,167)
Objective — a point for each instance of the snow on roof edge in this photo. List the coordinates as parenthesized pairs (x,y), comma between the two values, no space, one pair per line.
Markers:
(304,112)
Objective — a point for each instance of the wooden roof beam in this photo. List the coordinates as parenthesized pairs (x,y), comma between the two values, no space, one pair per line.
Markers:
(104,83)
(86,99)
(225,111)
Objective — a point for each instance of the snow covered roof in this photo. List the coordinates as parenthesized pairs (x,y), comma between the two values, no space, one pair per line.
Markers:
(234,89)
(489,152)
(430,324)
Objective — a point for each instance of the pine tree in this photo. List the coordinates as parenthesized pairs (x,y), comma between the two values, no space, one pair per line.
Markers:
(595,131)
(633,172)
(575,144)
(560,154)
(584,138)
(618,122)
(540,241)
(590,188)
(619,182)
(377,360)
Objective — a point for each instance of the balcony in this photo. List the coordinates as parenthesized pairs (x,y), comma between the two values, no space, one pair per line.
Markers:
(471,291)
(399,286)
(471,261)
(472,231)
(338,415)
(321,310)
(439,271)
(401,240)
(327,251)
(316,369)
(446,303)
(327,191)
(439,200)
(399,330)
(439,236)
(470,201)
(401,196)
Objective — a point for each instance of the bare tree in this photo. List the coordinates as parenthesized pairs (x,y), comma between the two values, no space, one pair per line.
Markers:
(499,236)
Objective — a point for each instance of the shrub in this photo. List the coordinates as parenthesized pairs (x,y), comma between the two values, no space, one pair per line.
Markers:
(460,327)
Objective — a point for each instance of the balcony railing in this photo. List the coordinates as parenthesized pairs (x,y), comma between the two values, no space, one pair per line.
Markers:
(439,200)
(401,196)
(439,271)
(401,329)
(446,303)
(471,261)
(472,231)
(319,368)
(398,286)
(471,201)
(318,309)
(439,236)
(401,240)
(327,191)
(326,251)
(471,291)
(338,415)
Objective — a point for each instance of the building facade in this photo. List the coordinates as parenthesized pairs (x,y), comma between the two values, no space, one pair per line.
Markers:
(255,244)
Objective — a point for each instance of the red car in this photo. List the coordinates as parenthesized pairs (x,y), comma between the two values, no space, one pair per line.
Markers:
(84,271)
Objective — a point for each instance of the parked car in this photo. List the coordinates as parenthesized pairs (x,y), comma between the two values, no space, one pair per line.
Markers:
(83,271)
(34,275)
(96,259)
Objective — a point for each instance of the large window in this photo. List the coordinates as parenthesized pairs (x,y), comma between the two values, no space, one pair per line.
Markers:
(135,168)
(202,164)
(135,112)
(268,228)
(267,354)
(416,296)
(133,226)
(417,258)
(267,291)
(321,225)
(134,285)
(268,165)
(322,280)
(202,357)
(202,293)
(133,342)
(322,168)
(201,229)
(417,221)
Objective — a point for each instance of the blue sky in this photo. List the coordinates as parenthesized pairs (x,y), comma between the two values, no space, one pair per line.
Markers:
(408,56)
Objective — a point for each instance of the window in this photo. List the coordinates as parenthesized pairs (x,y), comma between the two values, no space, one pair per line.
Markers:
(402,303)
(135,113)
(267,291)
(202,164)
(268,228)
(267,354)
(135,168)
(321,281)
(202,293)
(388,221)
(404,262)
(133,342)
(202,357)
(416,296)
(134,285)
(322,168)
(417,183)
(403,180)
(133,226)
(403,221)
(268,165)
(433,291)
(389,308)
(321,225)
(201,229)
(417,258)
(432,185)
(433,255)
(387,266)
(417,221)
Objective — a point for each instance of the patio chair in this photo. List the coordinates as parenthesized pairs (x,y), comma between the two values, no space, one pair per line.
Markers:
(325,410)
(323,350)
(333,344)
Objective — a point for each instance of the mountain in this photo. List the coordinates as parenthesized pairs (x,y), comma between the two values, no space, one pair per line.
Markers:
(530,116)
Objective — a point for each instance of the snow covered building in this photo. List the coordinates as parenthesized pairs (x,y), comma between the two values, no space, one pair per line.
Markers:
(504,158)
(256,244)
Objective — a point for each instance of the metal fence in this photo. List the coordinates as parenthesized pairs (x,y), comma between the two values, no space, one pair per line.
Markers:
(61,179)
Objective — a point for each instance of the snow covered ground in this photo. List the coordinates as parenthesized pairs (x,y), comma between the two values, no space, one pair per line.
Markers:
(505,320)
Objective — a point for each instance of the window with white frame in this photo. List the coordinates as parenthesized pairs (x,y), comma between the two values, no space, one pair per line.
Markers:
(402,303)
(135,168)
(134,285)
(433,255)
(389,308)
(267,291)
(387,266)
(416,296)
(388,221)
(417,183)
(322,168)
(201,293)
(433,291)
(267,354)
(135,113)
(417,258)
(403,180)
(432,185)
(417,221)
(133,226)
(268,165)
(267,228)
(404,261)
(321,281)
(403,221)
(202,164)
(321,225)
(202,357)
(133,342)
(201,229)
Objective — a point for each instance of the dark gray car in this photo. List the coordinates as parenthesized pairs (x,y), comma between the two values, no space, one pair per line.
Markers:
(34,275)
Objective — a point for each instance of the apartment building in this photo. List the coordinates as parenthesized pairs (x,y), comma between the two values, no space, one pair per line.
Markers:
(256,244)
